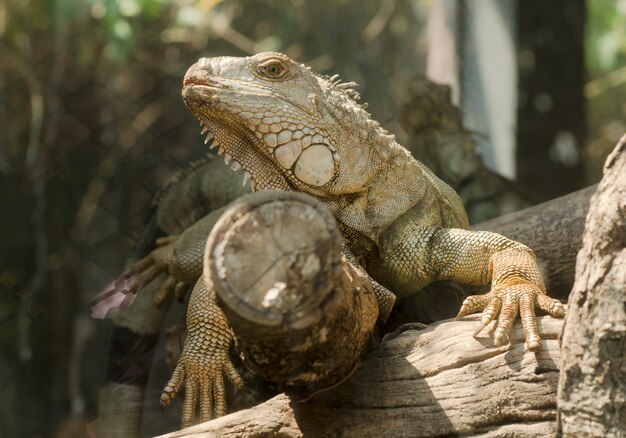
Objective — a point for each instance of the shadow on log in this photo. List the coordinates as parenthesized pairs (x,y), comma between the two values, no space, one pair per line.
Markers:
(432,382)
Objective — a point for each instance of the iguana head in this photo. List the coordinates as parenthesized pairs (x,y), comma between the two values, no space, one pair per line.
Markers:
(286,127)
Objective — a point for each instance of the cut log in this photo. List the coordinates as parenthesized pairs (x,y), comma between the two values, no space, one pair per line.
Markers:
(301,314)
(592,390)
(433,382)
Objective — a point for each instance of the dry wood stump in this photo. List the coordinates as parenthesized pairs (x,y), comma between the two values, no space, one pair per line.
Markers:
(302,315)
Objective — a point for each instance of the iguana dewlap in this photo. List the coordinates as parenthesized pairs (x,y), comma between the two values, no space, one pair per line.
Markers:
(287,128)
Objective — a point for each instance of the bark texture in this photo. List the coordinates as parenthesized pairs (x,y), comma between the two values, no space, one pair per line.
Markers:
(422,383)
(592,389)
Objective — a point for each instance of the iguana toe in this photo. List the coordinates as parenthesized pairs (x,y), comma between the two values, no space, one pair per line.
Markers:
(170,287)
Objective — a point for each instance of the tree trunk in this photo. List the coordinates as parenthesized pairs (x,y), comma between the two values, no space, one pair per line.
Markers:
(592,389)
(433,382)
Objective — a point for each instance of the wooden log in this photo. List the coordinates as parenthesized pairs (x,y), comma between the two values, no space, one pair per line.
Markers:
(433,382)
(302,315)
(592,389)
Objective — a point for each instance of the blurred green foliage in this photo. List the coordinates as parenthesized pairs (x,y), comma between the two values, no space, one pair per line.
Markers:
(606,71)
(606,36)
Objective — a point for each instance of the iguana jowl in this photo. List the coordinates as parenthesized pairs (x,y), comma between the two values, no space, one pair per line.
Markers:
(288,128)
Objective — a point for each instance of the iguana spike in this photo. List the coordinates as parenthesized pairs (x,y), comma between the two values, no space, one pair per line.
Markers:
(347,85)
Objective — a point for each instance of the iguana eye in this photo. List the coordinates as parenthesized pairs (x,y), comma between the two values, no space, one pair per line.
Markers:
(272,69)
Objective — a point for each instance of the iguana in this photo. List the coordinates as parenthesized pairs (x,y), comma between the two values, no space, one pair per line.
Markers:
(287,128)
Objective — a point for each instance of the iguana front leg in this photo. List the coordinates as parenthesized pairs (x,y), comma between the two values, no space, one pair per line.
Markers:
(420,255)
(205,359)
(180,256)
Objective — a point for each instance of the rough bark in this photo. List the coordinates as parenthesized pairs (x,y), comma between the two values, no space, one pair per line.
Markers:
(592,389)
(301,314)
(433,382)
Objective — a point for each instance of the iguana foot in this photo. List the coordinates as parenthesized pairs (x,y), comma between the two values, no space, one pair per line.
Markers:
(509,301)
(204,377)
(148,268)
(204,361)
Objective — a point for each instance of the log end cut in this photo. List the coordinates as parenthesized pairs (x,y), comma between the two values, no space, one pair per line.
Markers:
(302,315)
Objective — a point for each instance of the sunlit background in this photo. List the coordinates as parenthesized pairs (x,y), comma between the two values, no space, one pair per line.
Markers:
(92,124)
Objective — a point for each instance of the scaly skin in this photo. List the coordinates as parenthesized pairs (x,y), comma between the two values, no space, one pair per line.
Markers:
(204,359)
(287,128)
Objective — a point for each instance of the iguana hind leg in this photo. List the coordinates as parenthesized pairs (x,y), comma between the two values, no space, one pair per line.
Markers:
(145,270)
(178,255)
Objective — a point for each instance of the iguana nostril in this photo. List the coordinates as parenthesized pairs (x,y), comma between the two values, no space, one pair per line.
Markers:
(199,75)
